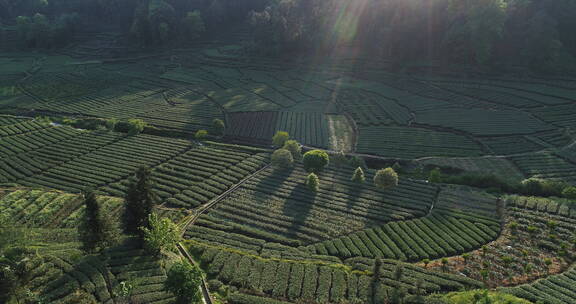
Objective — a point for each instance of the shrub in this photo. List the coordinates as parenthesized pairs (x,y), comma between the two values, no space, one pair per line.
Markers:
(280,138)
(136,126)
(315,160)
(295,148)
(218,126)
(201,135)
(313,182)
(386,178)
(282,159)
(358,176)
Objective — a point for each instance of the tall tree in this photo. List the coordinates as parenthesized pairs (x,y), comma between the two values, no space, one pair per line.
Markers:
(98,228)
(183,281)
(91,229)
(140,202)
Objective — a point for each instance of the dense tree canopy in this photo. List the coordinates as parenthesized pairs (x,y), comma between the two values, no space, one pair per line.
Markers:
(536,34)
(530,33)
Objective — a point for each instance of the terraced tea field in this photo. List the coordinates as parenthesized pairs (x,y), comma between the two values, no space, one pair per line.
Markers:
(258,233)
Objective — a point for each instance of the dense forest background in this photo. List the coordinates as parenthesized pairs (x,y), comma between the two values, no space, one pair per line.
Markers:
(536,34)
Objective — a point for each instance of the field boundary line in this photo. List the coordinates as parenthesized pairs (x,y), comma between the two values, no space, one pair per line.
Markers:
(216,200)
(203,286)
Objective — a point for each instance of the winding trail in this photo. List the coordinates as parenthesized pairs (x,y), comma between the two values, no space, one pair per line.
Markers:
(190,219)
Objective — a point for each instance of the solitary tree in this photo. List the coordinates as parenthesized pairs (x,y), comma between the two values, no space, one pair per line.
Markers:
(162,234)
(201,134)
(444,262)
(358,176)
(98,229)
(140,201)
(218,126)
(294,148)
(466,257)
(183,281)
(313,182)
(282,159)
(280,138)
(315,160)
(386,178)
(426,262)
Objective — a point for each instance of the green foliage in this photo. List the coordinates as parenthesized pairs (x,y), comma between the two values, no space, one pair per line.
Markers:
(435,176)
(39,32)
(569,193)
(183,281)
(477,27)
(135,126)
(295,148)
(481,297)
(282,159)
(386,178)
(201,135)
(280,138)
(140,202)
(218,126)
(163,234)
(98,229)
(192,25)
(358,176)
(315,160)
(111,124)
(313,182)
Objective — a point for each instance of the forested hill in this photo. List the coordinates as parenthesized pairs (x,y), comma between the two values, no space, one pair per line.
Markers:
(526,33)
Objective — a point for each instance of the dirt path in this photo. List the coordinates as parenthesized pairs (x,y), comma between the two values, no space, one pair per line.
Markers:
(341,133)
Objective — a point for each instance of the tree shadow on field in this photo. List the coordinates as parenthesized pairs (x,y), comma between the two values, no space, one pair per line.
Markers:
(299,212)
(274,179)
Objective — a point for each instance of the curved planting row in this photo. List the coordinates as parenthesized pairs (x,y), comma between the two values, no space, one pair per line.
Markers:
(199,175)
(9,120)
(186,173)
(430,237)
(21,128)
(407,142)
(38,208)
(37,139)
(321,282)
(546,165)
(368,108)
(556,289)
(106,163)
(279,203)
(462,219)
(59,278)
